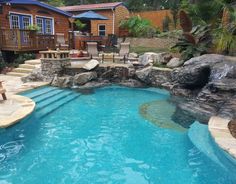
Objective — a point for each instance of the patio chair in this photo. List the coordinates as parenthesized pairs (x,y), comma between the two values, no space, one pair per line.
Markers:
(60,41)
(124,53)
(2,91)
(111,44)
(92,48)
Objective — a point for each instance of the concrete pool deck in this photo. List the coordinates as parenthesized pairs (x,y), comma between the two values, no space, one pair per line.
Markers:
(16,107)
(219,130)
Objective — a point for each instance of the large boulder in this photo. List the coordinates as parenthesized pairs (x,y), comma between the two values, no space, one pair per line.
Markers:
(115,73)
(192,77)
(160,77)
(83,78)
(62,82)
(143,74)
(133,55)
(155,58)
(175,63)
(91,65)
(35,75)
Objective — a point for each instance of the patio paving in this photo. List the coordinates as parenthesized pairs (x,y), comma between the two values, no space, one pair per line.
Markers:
(16,107)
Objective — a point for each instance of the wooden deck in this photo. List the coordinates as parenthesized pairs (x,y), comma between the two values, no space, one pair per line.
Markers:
(25,40)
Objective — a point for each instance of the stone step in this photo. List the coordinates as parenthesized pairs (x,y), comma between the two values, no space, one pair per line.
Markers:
(17,74)
(33,62)
(27,66)
(22,70)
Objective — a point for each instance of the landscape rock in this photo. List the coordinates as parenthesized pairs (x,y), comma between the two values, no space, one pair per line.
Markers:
(210,81)
(167,57)
(143,74)
(115,73)
(160,77)
(35,75)
(174,63)
(155,58)
(91,65)
(147,58)
(62,82)
(93,84)
(133,55)
(83,78)
(192,76)
(132,83)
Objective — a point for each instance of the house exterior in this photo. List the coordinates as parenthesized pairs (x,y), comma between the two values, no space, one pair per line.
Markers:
(115,12)
(17,15)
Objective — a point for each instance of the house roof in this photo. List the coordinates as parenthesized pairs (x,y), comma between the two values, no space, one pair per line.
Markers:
(84,7)
(37,3)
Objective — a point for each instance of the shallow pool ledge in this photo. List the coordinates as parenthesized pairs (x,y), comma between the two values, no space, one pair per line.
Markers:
(23,106)
(219,130)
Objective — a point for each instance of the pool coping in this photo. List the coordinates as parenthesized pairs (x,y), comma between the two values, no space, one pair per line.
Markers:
(220,133)
(26,103)
(27,107)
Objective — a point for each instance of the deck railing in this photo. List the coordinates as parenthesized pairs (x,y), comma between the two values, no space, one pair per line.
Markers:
(25,40)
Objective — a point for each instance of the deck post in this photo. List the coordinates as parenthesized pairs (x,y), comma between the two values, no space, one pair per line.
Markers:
(18,33)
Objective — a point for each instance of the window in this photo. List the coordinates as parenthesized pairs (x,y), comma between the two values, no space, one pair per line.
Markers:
(20,21)
(45,25)
(48,26)
(15,22)
(101,30)
(26,22)
(39,22)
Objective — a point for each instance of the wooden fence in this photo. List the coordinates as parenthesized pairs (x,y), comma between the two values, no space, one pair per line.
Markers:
(157,17)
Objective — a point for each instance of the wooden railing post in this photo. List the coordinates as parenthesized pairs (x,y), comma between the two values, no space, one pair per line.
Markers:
(18,33)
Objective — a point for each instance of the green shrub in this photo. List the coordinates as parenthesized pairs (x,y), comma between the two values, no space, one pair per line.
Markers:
(194,41)
(138,27)
(2,65)
(79,25)
(23,57)
(225,39)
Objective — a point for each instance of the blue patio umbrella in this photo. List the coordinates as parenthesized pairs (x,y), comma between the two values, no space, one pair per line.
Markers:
(90,15)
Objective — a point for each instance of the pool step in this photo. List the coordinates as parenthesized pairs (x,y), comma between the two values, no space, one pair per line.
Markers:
(49,99)
(53,99)
(57,104)
(40,92)
(47,95)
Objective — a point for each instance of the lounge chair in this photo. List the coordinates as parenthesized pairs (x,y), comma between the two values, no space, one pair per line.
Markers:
(61,43)
(92,48)
(2,91)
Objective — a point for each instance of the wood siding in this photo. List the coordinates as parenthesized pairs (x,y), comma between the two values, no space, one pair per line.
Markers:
(120,13)
(61,22)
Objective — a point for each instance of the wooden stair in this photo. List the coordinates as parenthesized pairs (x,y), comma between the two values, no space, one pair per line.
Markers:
(25,69)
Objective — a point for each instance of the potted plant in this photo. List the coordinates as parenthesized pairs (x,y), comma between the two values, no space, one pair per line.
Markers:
(32,30)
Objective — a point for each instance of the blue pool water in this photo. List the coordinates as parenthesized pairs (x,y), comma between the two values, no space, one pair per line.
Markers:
(107,136)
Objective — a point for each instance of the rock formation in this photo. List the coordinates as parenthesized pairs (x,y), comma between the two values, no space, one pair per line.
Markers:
(209,81)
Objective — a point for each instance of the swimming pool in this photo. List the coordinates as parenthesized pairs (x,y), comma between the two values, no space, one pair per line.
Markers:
(108,136)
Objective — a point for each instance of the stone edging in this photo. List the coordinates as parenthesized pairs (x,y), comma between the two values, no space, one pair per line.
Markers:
(219,130)
(27,107)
